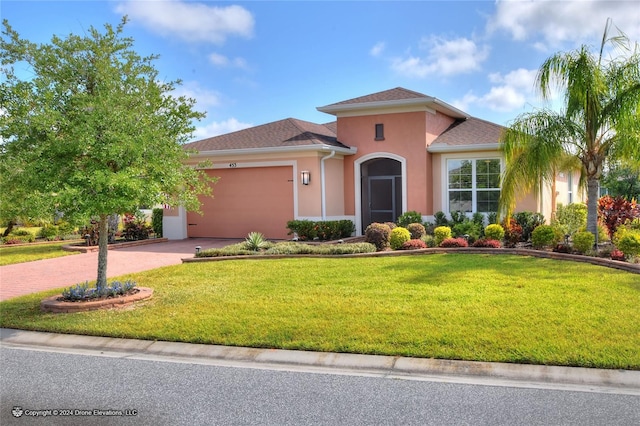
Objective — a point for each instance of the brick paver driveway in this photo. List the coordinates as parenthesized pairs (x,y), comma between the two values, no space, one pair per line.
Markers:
(31,277)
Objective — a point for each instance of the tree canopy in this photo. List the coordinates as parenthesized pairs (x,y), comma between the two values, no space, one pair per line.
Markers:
(89,129)
(600,122)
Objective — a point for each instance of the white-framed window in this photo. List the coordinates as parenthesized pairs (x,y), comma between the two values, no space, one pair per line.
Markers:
(570,185)
(473,184)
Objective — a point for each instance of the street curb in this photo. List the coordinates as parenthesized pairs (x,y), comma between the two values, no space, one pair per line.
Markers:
(628,380)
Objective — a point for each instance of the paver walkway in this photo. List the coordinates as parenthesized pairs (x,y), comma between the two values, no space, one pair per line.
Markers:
(31,277)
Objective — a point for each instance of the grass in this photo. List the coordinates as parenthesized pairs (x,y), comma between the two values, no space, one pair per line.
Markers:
(456,306)
(28,253)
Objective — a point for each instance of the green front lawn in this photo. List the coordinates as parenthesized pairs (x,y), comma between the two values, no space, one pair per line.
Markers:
(457,306)
(28,253)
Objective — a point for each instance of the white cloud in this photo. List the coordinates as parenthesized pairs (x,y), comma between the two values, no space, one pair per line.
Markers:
(205,98)
(561,21)
(377,49)
(509,93)
(216,128)
(444,57)
(193,22)
(223,61)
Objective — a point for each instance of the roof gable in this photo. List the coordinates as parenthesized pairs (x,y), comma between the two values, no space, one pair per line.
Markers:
(391,101)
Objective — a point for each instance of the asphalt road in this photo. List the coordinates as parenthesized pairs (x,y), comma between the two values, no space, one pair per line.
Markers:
(174,391)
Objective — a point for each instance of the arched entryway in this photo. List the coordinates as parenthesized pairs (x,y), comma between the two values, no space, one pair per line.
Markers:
(382,190)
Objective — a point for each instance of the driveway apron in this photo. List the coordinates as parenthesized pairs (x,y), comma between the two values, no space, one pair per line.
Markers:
(30,277)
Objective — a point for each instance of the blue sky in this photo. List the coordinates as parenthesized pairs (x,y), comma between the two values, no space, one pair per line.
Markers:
(250,63)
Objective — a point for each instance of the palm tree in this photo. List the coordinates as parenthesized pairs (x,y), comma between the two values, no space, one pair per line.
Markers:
(600,122)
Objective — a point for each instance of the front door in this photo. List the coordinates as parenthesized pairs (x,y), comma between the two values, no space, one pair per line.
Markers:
(381,191)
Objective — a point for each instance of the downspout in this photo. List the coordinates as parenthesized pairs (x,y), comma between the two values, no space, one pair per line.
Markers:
(323,184)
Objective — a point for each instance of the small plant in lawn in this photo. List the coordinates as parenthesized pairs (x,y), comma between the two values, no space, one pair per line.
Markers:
(494,232)
(83,292)
(255,241)
(414,244)
(378,234)
(487,243)
(454,242)
(543,236)
(417,230)
(398,237)
(441,233)
(409,217)
(583,241)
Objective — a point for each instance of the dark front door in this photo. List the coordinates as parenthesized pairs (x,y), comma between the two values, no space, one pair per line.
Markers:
(381,191)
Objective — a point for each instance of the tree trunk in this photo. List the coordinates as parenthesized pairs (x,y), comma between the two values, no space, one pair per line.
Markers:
(10,226)
(593,189)
(103,240)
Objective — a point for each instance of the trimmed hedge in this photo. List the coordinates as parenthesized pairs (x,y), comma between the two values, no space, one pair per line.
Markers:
(308,230)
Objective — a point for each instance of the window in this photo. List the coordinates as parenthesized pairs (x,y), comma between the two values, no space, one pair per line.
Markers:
(570,185)
(379,132)
(473,185)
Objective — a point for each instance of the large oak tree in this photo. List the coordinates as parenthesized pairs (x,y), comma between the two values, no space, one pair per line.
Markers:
(89,129)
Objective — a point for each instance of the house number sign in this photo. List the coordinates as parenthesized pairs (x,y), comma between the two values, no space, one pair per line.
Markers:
(233,165)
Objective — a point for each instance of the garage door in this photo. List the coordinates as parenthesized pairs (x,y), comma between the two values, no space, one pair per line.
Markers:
(246,200)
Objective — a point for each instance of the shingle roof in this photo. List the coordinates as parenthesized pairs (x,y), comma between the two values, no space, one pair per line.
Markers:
(289,132)
(397,94)
(472,131)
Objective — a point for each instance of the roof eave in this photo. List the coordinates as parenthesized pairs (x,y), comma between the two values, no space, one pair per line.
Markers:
(274,150)
(444,148)
(426,103)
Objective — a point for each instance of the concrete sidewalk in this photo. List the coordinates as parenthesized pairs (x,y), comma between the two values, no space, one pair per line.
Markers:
(31,277)
(483,373)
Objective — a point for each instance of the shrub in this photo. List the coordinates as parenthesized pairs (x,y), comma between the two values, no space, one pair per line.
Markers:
(512,234)
(409,217)
(398,237)
(413,244)
(614,212)
(571,218)
(156,221)
(543,236)
(49,232)
(429,240)
(528,221)
(417,230)
(378,235)
(454,242)
(630,244)
(458,217)
(467,227)
(583,241)
(617,255)
(487,243)
(353,248)
(492,217)
(391,225)
(308,230)
(494,232)
(441,233)
(255,241)
(562,248)
(135,227)
(478,218)
(441,219)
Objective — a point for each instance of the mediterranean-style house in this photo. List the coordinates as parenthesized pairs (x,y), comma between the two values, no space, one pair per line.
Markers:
(386,153)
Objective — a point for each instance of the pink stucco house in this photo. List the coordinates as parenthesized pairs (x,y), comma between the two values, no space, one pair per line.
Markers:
(386,153)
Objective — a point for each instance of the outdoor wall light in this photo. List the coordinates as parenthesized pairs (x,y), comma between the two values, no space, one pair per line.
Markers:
(305,177)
